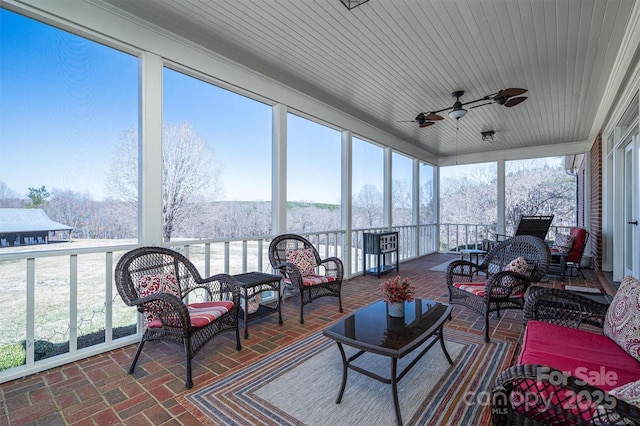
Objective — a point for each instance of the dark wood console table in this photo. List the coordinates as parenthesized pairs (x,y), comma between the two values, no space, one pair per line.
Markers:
(384,245)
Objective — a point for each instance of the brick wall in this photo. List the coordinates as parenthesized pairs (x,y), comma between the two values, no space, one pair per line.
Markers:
(595,238)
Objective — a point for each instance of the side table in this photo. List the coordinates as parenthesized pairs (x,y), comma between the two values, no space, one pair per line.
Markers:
(472,252)
(252,283)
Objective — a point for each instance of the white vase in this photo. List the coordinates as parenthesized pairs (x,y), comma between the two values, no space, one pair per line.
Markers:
(396,309)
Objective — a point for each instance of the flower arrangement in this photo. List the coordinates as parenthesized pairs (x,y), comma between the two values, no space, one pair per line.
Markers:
(397,290)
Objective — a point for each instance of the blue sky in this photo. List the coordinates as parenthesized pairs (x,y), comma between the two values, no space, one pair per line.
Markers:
(61,106)
(65,102)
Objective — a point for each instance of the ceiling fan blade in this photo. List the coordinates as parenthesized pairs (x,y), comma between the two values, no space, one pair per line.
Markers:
(434,117)
(514,101)
(513,91)
(476,106)
(405,121)
(427,124)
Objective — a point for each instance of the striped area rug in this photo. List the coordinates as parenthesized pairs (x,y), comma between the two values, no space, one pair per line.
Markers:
(298,385)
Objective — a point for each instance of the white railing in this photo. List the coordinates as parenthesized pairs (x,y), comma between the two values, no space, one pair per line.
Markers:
(455,236)
(61,305)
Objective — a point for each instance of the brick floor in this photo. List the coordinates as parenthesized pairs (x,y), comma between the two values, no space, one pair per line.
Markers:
(98,390)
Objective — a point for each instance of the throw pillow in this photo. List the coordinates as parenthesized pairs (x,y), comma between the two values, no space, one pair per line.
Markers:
(518,265)
(157,283)
(253,304)
(630,393)
(622,322)
(304,259)
(563,243)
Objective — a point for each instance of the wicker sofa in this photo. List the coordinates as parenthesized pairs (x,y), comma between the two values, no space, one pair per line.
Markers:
(575,366)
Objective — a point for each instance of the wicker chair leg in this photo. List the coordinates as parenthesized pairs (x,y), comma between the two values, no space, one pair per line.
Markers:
(187,355)
(581,273)
(135,358)
(340,302)
(238,345)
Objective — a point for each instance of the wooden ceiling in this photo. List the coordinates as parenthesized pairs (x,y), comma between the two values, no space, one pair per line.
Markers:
(388,60)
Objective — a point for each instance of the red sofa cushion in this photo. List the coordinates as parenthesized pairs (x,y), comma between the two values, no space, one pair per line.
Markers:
(589,356)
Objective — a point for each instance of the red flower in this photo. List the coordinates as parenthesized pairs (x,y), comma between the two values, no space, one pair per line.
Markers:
(397,290)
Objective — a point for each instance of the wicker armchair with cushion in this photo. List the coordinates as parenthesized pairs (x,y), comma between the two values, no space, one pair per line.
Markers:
(299,263)
(158,281)
(501,280)
(579,362)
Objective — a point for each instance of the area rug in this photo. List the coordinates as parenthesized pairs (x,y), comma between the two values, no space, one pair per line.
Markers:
(441,267)
(298,385)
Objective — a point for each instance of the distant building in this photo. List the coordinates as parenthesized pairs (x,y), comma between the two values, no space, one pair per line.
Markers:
(20,227)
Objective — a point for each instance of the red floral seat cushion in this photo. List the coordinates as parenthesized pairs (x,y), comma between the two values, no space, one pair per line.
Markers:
(202,313)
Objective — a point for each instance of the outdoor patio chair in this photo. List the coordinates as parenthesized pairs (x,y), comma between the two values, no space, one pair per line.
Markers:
(578,237)
(501,280)
(311,277)
(538,226)
(158,281)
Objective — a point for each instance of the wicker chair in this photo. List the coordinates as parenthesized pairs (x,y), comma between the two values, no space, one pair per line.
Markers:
(304,272)
(538,226)
(499,289)
(157,280)
(568,309)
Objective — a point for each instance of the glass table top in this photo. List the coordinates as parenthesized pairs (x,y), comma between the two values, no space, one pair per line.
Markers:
(372,329)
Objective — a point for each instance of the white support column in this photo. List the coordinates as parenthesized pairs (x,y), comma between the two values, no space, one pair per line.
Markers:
(436,205)
(415,207)
(501,197)
(279,170)
(586,197)
(150,150)
(347,199)
(387,188)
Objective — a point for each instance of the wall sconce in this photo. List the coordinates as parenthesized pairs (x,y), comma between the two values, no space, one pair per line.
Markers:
(488,136)
(350,4)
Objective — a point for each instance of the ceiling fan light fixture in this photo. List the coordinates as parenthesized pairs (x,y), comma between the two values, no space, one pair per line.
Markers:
(350,4)
(457,113)
(488,135)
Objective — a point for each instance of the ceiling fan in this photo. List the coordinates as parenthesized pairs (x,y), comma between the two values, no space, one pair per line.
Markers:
(507,97)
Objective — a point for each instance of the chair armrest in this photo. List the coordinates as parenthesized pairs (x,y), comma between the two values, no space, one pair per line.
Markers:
(503,284)
(174,312)
(535,395)
(333,267)
(219,287)
(565,308)
(291,271)
(462,271)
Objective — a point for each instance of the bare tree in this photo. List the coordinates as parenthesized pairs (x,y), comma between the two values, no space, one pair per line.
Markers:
(367,207)
(401,202)
(9,198)
(189,175)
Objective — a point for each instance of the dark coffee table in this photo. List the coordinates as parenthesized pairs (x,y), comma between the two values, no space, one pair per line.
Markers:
(370,329)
